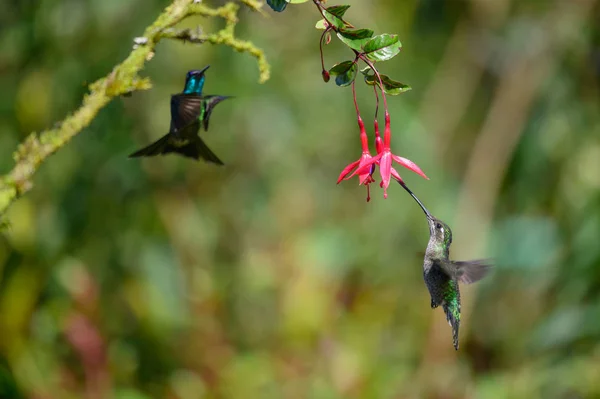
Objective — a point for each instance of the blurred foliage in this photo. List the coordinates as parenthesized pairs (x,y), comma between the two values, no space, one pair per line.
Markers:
(263,279)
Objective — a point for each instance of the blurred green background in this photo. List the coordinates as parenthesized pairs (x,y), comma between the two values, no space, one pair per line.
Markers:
(166,278)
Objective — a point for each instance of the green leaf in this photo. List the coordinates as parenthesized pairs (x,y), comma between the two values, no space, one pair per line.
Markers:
(382,47)
(277,5)
(321,24)
(355,39)
(344,72)
(390,86)
(338,11)
(334,15)
(335,21)
(297,1)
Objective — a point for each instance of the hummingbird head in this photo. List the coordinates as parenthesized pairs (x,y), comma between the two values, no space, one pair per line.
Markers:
(194,81)
(439,231)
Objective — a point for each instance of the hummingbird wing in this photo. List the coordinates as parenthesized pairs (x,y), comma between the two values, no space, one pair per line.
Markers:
(210,104)
(468,272)
(185,110)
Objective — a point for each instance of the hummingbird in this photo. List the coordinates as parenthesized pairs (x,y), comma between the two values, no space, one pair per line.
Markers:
(441,274)
(189,110)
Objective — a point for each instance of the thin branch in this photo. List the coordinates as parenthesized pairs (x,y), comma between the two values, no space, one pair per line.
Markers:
(122,80)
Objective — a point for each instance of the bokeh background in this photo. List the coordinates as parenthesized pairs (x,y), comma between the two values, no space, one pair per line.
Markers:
(167,278)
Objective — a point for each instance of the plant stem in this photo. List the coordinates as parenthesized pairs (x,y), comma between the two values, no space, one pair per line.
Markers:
(370,65)
(321,48)
(354,98)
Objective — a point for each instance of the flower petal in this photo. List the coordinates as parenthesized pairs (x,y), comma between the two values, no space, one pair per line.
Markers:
(366,175)
(408,164)
(362,178)
(365,167)
(347,170)
(396,175)
(385,168)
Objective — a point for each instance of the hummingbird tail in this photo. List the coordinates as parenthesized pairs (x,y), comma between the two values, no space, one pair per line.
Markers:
(195,148)
(472,271)
(451,307)
(156,148)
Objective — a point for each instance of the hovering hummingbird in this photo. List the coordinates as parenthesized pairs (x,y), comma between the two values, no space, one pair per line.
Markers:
(442,275)
(189,109)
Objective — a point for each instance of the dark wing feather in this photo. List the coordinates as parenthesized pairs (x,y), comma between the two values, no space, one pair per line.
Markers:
(185,109)
(211,102)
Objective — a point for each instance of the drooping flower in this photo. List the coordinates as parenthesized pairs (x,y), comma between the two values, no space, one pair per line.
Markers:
(366,175)
(384,159)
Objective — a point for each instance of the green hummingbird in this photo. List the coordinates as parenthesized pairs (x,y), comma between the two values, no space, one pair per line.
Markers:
(442,275)
(189,110)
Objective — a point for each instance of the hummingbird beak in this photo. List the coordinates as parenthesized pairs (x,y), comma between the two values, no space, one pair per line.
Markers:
(427,214)
(204,69)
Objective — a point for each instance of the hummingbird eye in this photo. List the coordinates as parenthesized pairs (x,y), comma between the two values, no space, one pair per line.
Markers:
(439,226)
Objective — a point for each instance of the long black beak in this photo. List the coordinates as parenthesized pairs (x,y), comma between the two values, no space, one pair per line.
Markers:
(427,214)
(204,69)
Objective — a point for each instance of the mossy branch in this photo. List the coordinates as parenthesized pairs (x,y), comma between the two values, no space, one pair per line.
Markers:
(122,80)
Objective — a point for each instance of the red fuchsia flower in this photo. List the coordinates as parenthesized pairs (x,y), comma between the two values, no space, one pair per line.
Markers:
(384,159)
(366,175)
(379,149)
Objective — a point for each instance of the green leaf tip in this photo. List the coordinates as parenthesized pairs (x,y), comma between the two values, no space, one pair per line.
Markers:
(334,16)
(338,11)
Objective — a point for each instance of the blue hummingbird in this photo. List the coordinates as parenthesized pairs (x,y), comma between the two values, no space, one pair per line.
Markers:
(189,110)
